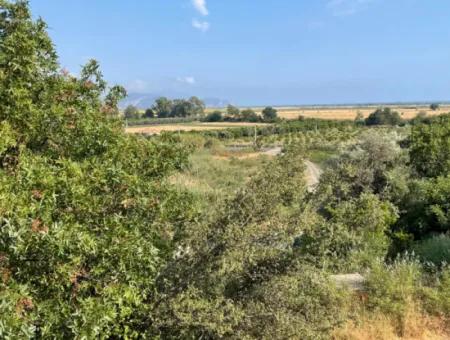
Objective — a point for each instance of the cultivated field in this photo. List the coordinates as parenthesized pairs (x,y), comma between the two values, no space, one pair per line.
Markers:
(157,129)
(348,112)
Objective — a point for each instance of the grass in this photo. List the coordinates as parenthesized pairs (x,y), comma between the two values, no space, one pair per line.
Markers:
(418,326)
(320,157)
(216,174)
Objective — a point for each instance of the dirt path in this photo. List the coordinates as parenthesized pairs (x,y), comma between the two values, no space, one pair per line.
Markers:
(313,173)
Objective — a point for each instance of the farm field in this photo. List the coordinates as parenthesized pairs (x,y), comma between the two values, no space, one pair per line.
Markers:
(157,129)
(348,112)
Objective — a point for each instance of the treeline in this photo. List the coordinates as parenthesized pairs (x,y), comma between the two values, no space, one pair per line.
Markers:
(234,114)
(194,109)
(387,116)
(167,108)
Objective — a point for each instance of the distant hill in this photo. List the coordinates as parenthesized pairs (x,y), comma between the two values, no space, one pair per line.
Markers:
(146,100)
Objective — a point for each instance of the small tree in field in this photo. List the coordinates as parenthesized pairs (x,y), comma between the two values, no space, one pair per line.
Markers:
(269,114)
(163,107)
(215,116)
(384,116)
(249,115)
(434,106)
(233,111)
(131,112)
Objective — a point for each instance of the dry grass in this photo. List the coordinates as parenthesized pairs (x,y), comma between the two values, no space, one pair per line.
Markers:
(157,129)
(415,326)
(349,112)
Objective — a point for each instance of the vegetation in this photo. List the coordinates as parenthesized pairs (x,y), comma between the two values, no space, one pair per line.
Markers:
(166,108)
(434,106)
(215,116)
(269,114)
(384,117)
(109,235)
(131,112)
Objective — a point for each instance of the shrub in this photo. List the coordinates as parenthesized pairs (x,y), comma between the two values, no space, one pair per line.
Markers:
(384,117)
(131,112)
(430,147)
(434,106)
(249,115)
(434,250)
(215,116)
(392,289)
(269,114)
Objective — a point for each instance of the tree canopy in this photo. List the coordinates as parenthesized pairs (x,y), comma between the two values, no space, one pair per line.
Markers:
(384,116)
(85,221)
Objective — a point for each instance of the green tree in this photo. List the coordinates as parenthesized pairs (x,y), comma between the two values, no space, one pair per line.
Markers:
(430,147)
(85,221)
(434,106)
(269,114)
(248,115)
(131,112)
(198,106)
(182,108)
(215,116)
(163,107)
(233,111)
(384,116)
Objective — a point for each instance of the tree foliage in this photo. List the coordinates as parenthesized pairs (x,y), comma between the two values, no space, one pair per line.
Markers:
(85,221)
(269,114)
(215,116)
(430,147)
(166,108)
(384,116)
(131,112)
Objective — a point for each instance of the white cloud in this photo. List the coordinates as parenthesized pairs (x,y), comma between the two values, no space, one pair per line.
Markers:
(200,25)
(200,6)
(347,7)
(138,86)
(186,80)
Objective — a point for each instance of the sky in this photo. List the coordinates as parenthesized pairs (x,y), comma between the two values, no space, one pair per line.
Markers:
(261,52)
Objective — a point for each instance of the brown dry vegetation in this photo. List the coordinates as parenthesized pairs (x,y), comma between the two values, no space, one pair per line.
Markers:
(416,326)
(157,129)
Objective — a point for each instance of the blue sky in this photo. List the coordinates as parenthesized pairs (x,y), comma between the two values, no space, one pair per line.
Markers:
(261,52)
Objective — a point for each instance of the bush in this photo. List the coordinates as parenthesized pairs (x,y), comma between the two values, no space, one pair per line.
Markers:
(430,147)
(269,114)
(131,112)
(425,208)
(434,106)
(215,116)
(435,250)
(384,117)
(392,289)
(249,115)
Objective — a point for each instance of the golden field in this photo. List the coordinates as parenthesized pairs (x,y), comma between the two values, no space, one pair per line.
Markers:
(157,129)
(347,112)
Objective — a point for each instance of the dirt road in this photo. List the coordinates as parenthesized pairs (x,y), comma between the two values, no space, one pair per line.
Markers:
(313,172)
